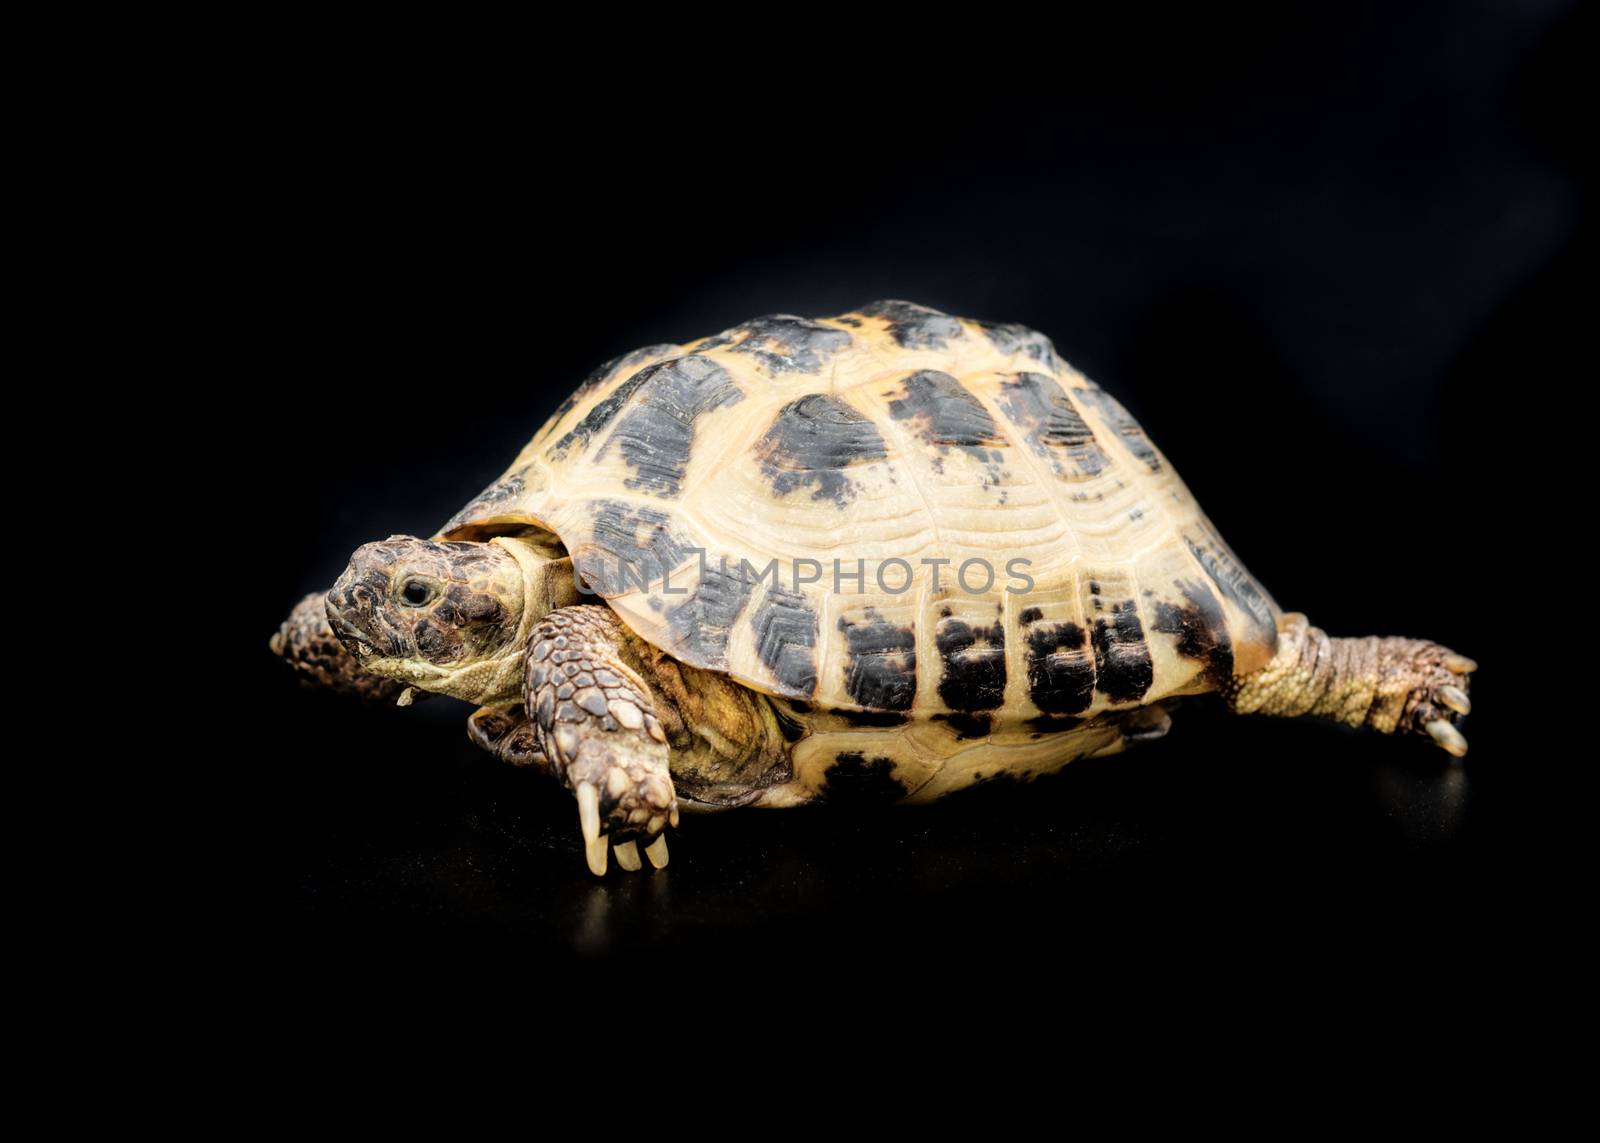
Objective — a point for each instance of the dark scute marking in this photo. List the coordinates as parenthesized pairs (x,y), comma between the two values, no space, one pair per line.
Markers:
(1010,338)
(945,412)
(1060,668)
(1234,582)
(702,623)
(485,502)
(873,717)
(783,343)
(597,418)
(812,442)
(606,372)
(1122,422)
(1051,424)
(967,725)
(657,433)
(632,543)
(854,779)
(1123,671)
(1031,615)
(946,415)
(881,662)
(914,326)
(1201,629)
(786,641)
(974,660)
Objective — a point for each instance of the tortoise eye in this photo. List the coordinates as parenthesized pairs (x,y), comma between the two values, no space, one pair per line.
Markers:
(415,593)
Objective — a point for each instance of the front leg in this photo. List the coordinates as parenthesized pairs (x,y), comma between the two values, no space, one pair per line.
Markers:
(595,720)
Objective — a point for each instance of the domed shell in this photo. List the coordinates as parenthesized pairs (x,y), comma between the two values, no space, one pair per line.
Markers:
(892,511)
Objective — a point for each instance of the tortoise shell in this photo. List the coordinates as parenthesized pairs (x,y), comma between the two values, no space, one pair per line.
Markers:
(1007,537)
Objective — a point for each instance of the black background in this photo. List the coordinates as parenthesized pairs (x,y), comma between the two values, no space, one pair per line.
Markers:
(1322,262)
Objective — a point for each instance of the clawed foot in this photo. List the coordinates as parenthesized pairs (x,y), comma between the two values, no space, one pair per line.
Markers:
(506,732)
(623,804)
(1438,704)
(1391,685)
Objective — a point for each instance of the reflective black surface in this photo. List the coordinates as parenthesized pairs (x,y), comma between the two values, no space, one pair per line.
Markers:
(1332,269)
(396,827)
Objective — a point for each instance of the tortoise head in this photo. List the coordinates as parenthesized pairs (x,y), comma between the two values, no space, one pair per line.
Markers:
(445,617)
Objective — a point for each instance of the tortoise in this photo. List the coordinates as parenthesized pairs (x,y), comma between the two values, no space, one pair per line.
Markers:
(879,557)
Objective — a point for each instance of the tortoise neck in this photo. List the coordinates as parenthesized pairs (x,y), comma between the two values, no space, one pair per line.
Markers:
(546,583)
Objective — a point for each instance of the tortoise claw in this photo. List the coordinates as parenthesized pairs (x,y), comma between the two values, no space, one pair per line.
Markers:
(1448,737)
(1440,698)
(598,841)
(595,846)
(656,851)
(628,856)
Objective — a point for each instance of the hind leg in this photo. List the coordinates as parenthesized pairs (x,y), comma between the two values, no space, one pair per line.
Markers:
(507,733)
(1393,686)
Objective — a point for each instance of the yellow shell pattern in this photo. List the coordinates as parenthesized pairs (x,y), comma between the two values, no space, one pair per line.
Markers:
(893,517)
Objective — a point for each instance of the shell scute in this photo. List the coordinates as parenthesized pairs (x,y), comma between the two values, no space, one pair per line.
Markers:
(893,514)
(781,343)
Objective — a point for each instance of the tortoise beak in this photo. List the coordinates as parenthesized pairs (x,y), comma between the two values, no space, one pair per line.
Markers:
(347,632)
(352,607)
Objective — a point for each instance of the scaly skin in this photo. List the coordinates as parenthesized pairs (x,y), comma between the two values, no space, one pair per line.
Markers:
(595,719)
(1391,685)
(505,732)
(610,715)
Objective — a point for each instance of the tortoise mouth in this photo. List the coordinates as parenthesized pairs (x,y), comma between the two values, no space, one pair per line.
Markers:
(357,622)
(354,639)
(389,662)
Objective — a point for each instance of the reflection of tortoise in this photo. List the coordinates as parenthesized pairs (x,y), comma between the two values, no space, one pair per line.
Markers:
(880,556)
